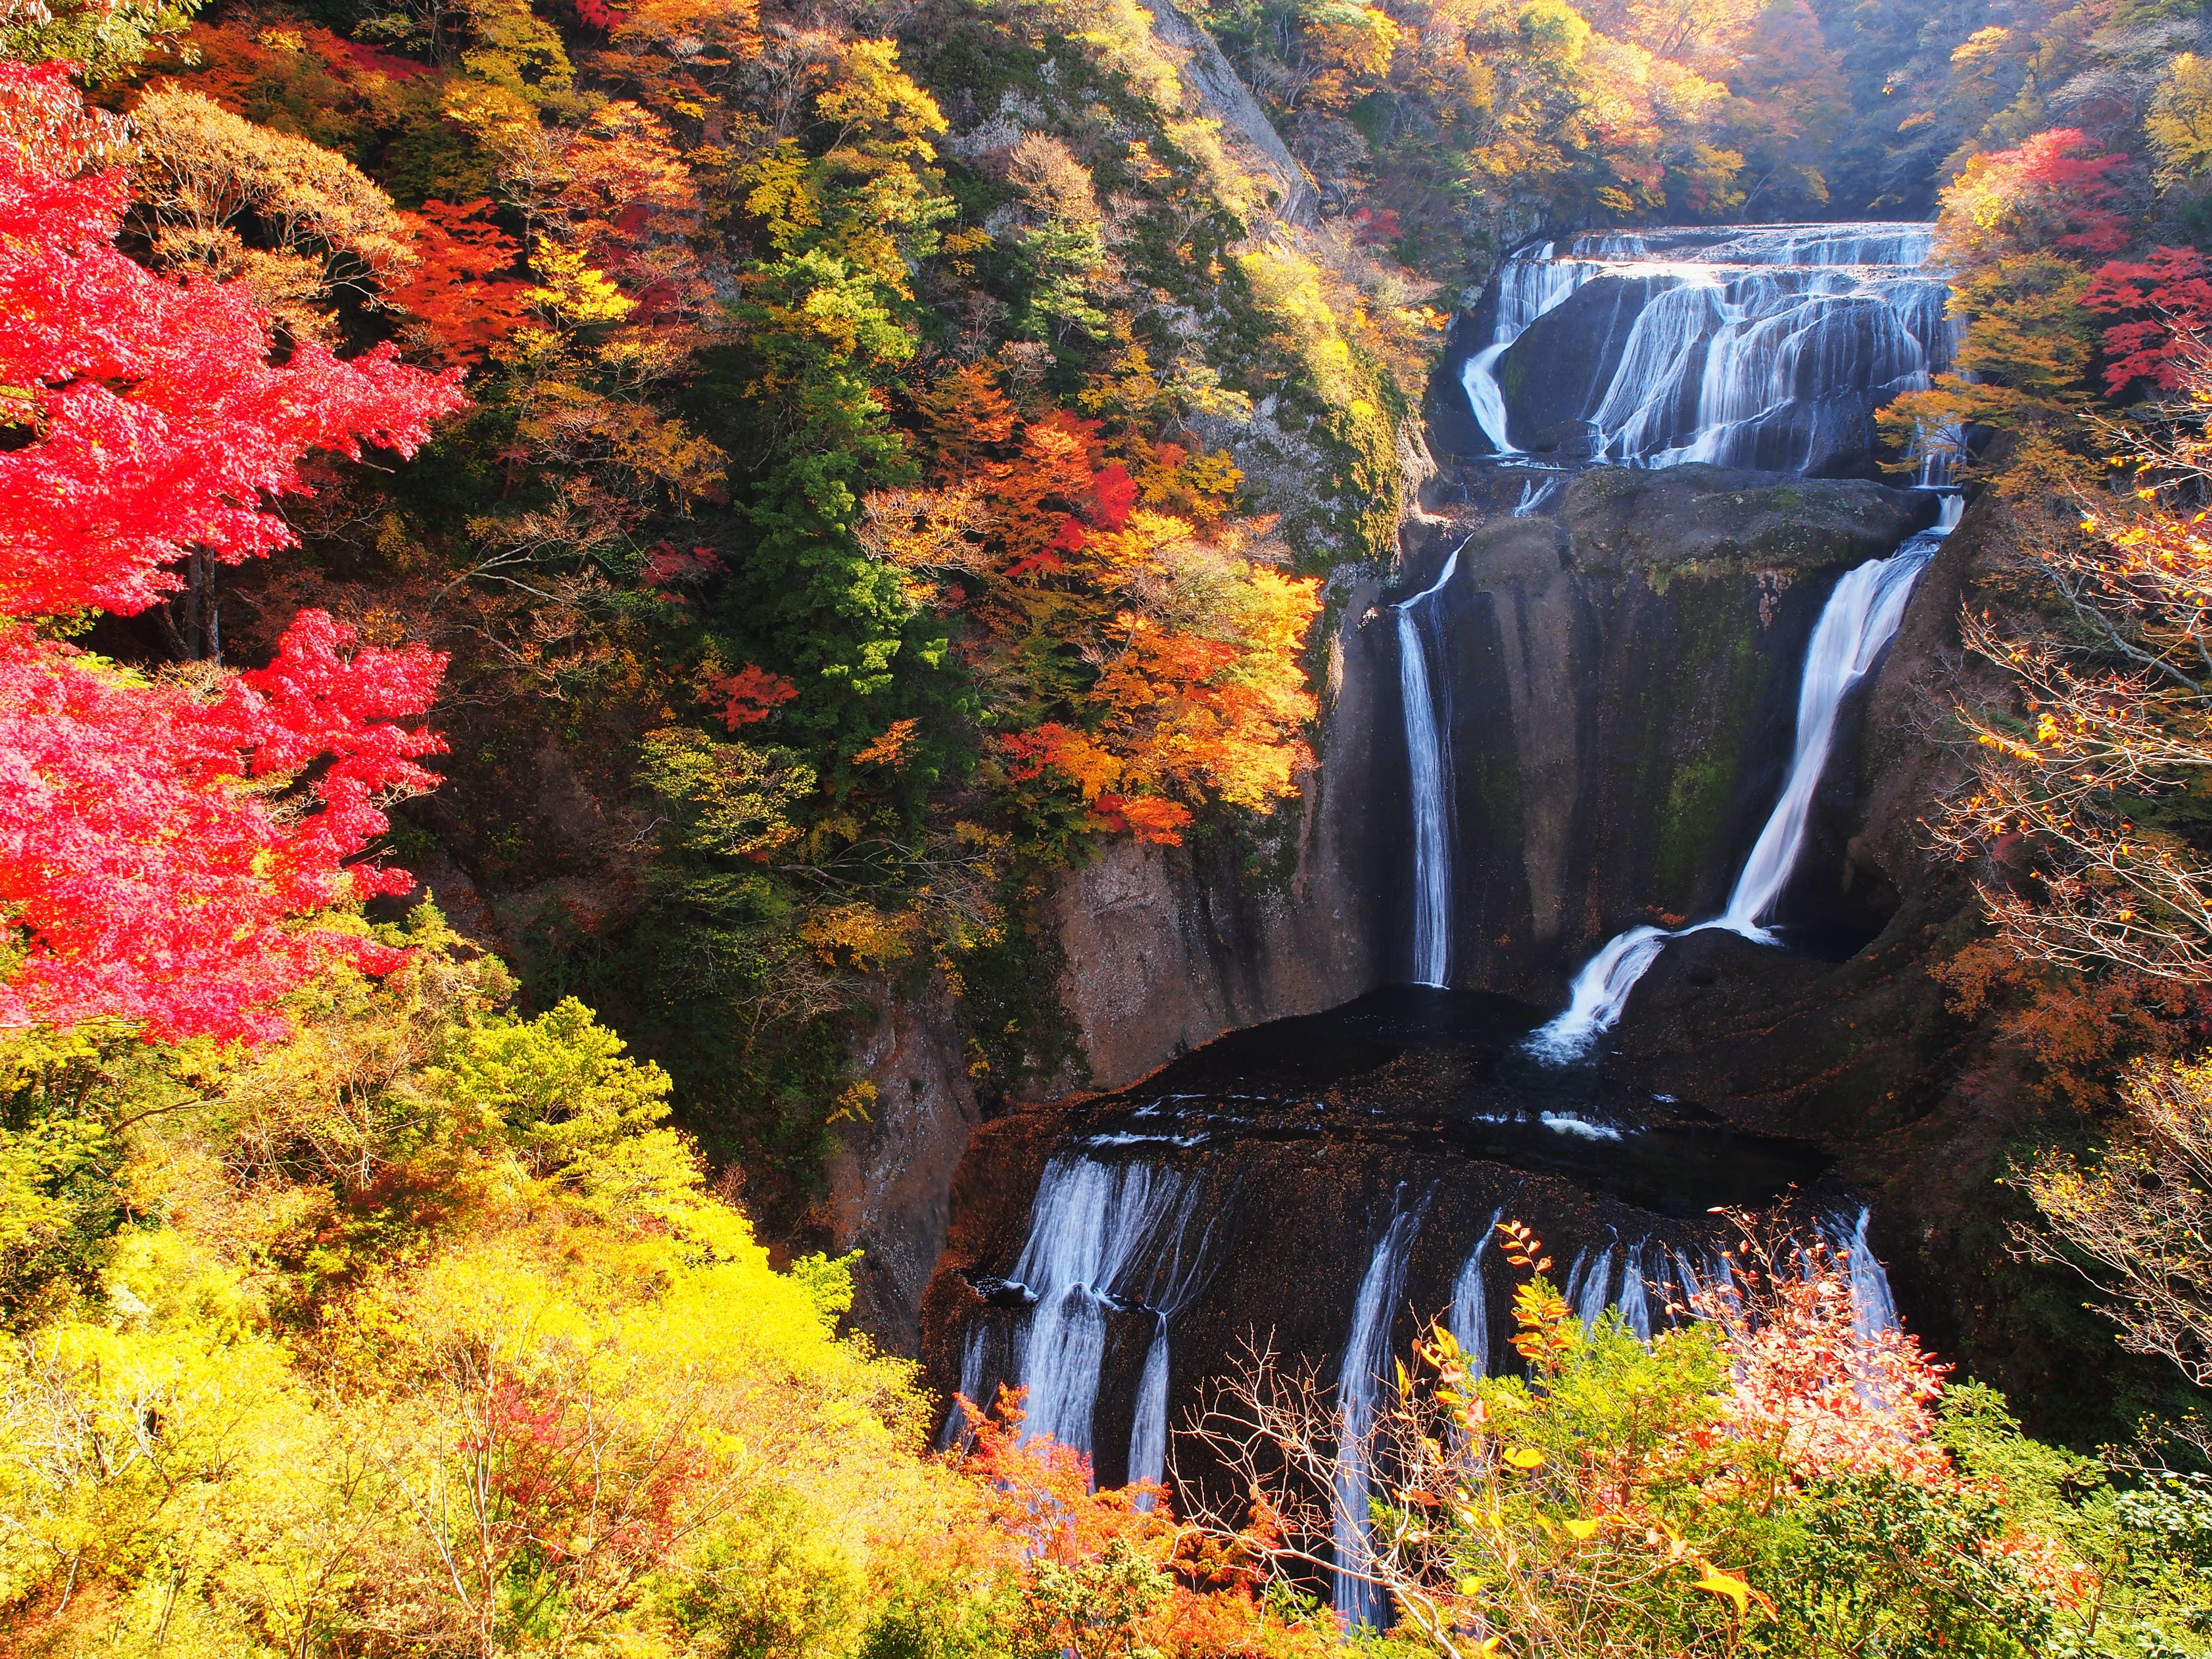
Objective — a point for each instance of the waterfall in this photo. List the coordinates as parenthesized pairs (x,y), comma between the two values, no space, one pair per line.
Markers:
(1529,284)
(1148,1434)
(1470,1309)
(1366,1352)
(1092,1227)
(1428,760)
(1590,1306)
(1873,1309)
(1634,1304)
(1858,621)
(1172,1286)
(1762,346)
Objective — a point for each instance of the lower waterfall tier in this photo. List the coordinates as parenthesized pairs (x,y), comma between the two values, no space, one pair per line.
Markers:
(1119,1255)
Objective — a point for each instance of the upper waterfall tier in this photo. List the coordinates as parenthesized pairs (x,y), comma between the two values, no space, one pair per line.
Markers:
(1761,346)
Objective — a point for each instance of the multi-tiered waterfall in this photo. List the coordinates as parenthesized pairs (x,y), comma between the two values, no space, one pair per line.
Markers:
(1765,346)
(1638,671)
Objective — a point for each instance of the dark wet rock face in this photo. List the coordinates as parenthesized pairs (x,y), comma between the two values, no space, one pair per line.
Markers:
(1620,687)
(1279,1158)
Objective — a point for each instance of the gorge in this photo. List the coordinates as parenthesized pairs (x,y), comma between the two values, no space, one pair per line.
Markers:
(1105,829)
(1601,692)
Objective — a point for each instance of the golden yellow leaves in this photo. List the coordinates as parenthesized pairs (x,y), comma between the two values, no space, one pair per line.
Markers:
(854,1105)
(860,935)
(574,294)
(1738,1594)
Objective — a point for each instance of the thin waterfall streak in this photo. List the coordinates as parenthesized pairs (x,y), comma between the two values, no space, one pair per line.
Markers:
(1633,1303)
(1859,620)
(1486,398)
(1148,1433)
(1470,1310)
(1874,1309)
(1366,1349)
(1529,284)
(1590,1308)
(1426,761)
(1171,1288)
(957,1426)
(1428,764)
(1572,1286)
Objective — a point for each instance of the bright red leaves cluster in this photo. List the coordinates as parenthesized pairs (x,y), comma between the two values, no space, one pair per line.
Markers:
(750,695)
(158,845)
(2168,299)
(149,877)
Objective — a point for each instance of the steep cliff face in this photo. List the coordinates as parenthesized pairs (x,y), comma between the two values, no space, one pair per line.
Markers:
(1619,687)
(890,1184)
(1166,948)
(1162,950)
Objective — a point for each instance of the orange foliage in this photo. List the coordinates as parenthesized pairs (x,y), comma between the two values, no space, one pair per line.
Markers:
(890,748)
(1156,660)
(461,293)
(1040,1494)
(2077,1030)
(1040,1509)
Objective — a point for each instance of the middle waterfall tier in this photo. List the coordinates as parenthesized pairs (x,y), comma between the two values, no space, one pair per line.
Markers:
(1857,625)
(1765,346)
(1595,711)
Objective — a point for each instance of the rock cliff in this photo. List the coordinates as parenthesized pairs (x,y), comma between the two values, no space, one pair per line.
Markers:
(1620,687)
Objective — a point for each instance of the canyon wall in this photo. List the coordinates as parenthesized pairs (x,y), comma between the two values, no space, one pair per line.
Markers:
(1620,689)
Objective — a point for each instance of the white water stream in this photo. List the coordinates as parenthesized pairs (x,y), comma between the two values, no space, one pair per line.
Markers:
(1765,345)
(1529,284)
(1470,1309)
(1860,618)
(1103,1238)
(1428,759)
(1366,1353)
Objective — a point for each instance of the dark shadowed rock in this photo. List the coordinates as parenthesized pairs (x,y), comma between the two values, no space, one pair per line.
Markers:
(1711,520)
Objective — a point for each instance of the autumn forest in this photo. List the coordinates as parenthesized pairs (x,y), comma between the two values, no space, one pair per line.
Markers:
(652,652)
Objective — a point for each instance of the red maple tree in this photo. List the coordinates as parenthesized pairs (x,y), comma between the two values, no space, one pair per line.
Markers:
(163,840)
(2174,288)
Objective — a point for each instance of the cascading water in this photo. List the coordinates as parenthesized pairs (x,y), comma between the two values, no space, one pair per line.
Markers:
(1470,1309)
(1592,1301)
(1764,346)
(1634,1305)
(1093,1228)
(1529,284)
(1428,759)
(1366,1352)
(1873,1310)
(1171,1286)
(1860,618)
